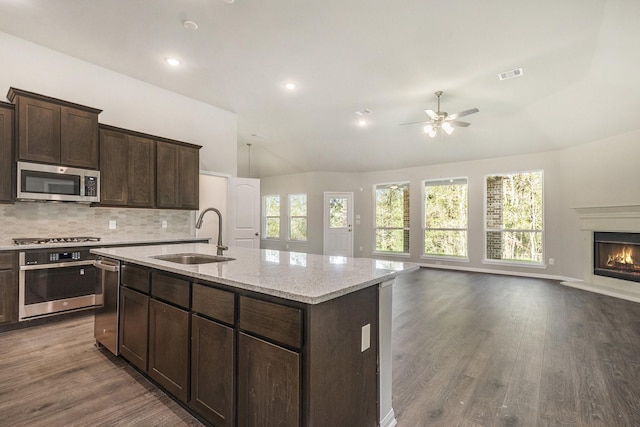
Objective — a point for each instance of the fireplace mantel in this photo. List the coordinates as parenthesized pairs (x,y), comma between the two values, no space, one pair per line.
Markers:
(613,218)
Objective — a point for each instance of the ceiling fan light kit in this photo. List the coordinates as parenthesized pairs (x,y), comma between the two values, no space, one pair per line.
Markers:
(443,120)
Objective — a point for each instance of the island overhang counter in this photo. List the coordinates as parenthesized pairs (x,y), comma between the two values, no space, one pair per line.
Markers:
(321,324)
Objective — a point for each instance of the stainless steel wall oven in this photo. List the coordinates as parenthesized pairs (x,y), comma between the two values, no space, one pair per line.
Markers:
(55,280)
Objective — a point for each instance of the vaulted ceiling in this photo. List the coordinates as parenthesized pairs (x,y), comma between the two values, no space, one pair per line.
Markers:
(580,60)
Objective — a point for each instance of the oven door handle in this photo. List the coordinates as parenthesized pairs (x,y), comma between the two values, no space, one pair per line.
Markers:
(106,266)
(58,265)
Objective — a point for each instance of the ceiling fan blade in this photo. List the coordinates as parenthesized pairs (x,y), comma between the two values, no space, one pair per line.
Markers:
(414,123)
(432,114)
(463,113)
(459,123)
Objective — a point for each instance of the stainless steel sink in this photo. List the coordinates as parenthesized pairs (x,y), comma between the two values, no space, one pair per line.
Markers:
(192,258)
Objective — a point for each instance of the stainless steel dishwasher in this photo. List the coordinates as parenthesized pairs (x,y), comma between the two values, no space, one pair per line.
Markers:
(107,297)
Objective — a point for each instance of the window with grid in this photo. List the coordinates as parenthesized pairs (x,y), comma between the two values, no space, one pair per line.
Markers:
(392,218)
(445,217)
(271,217)
(514,217)
(298,217)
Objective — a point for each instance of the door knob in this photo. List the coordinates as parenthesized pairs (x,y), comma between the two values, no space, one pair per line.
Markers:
(257,234)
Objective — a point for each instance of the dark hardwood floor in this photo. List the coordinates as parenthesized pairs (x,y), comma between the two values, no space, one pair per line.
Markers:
(473,349)
(470,349)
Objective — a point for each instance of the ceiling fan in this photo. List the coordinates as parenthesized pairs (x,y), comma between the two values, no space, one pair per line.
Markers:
(442,120)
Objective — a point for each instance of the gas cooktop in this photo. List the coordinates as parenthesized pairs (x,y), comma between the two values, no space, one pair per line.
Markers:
(48,240)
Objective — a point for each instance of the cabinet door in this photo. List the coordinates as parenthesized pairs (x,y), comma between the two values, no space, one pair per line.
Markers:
(188,177)
(134,322)
(169,348)
(268,384)
(6,155)
(38,130)
(167,176)
(114,160)
(142,171)
(8,298)
(212,369)
(78,138)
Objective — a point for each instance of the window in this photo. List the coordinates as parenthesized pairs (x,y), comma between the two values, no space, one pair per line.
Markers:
(392,218)
(271,219)
(445,217)
(514,217)
(298,217)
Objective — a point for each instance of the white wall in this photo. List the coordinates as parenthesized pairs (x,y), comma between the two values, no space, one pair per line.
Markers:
(213,193)
(594,174)
(126,102)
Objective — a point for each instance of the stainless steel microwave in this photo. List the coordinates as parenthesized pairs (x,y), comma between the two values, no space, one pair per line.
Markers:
(60,183)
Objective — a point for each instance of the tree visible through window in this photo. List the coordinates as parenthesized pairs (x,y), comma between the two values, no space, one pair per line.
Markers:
(271,220)
(298,217)
(445,217)
(514,217)
(392,218)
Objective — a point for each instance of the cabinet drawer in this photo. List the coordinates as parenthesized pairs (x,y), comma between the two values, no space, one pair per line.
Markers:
(6,261)
(170,289)
(274,321)
(135,277)
(214,303)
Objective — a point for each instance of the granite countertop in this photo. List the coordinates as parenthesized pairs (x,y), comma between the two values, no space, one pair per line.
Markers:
(10,246)
(305,278)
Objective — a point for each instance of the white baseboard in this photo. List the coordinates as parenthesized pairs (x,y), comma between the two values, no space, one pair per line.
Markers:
(604,290)
(389,420)
(503,272)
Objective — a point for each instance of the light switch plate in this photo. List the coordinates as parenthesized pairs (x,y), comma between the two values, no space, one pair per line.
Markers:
(112,225)
(164,224)
(366,337)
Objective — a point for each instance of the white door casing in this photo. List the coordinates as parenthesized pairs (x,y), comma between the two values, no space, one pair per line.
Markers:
(338,224)
(243,206)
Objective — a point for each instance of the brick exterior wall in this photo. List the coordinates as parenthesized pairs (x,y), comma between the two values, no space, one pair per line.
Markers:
(494,216)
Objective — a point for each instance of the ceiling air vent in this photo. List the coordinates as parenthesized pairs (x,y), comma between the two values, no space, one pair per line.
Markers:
(511,74)
(363,112)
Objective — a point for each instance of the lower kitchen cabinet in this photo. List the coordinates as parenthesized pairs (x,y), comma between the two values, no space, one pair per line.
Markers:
(134,326)
(8,289)
(169,348)
(212,371)
(268,384)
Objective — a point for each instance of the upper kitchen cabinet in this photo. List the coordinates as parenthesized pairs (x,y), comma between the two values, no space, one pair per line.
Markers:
(51,130)
(127,168)
(7,169)
(177,177)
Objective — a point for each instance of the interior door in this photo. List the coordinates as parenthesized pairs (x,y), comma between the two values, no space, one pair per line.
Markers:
(244,212)
(338,224)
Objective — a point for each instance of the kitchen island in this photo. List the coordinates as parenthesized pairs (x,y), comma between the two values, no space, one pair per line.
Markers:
(267,338)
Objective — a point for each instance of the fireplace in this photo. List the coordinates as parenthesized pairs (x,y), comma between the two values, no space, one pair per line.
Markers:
(617,255)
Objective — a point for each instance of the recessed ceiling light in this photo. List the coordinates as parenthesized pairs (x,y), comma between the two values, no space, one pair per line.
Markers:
(229,1)
(172,61)
(190,25)
(290,86)
(362,122)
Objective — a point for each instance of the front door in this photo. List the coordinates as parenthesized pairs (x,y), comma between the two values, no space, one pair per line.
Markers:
(338,224)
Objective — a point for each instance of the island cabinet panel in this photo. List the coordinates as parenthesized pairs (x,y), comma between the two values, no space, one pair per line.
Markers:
(54,131)
(341,374)
(177,178)
(7,161)
(170,289)
(8,289)
(169,348)
(268,384)
(135,277)
(127,168)
(214,303)
(134,327)
(212,371)
(277,322)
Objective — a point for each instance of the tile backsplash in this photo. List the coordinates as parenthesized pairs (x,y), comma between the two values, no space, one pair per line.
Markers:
(50,219)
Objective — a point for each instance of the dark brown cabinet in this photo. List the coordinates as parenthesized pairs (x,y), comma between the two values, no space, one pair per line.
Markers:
(7,169)
(177,184)
(212,371)
(127,168)
(54,131)
(8,289)
(169,348)
(134,327)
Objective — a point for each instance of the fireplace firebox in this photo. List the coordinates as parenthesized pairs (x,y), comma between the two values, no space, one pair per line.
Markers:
(617,255)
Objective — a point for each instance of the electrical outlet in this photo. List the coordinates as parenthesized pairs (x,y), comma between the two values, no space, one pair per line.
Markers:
(552,261)
(112,225)
(366,337)
(164,224)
